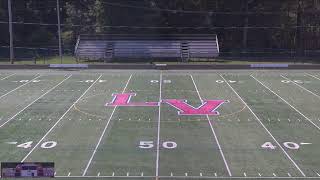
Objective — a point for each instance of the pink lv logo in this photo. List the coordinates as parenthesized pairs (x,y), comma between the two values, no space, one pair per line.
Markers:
(208,107)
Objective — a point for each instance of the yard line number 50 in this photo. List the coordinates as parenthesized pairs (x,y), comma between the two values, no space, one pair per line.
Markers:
(150,144)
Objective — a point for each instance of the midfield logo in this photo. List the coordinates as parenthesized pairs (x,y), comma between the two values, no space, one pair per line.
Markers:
(208,107)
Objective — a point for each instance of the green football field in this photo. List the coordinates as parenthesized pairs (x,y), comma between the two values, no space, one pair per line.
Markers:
(267,124)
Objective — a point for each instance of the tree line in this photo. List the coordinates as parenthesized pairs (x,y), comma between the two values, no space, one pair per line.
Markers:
(241,25)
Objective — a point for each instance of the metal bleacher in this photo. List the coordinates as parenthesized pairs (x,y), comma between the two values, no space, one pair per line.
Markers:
(110,46)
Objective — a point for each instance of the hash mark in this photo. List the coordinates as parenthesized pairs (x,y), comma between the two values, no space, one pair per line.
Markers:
(289,174)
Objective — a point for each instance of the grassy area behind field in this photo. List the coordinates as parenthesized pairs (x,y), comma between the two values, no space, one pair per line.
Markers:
(220,60)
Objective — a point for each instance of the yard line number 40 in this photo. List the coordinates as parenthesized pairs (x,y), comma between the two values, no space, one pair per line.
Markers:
(288,145)
(45,145)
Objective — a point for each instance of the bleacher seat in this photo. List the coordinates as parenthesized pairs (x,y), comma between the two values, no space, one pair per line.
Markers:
(106,47)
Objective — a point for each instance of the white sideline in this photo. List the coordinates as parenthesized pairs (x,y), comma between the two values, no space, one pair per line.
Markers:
(20,86)
(213,131)
(59,120)
(315,125)
(312,76)
(7,77)
(33,102)
(192,177)
(301,87)
(288,156)
(158,129)
(103,132)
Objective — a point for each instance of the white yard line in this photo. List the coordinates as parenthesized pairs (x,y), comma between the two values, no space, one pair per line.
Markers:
(7,77)
(159,121)
(33,102)
(59,120)
(301,86)
(315,125)
(312,76)
(213,131)
(30,81)
(288,156)
(103,132)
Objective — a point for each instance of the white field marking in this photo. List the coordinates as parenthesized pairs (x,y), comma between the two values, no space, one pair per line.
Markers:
(289,174)
(55,172)
(59,120)
(98,174)
(302,87)
(104,131)
(318,174)
(312,76)
(33,102)
(158,128)
(200,174)
(259,174)
(245,174)
(274,174)
(213,131)
(11,142)
(7,77)
(20,86)
(303,143)
(287,103)
(186,174)
(112,173)
(266,129)
(127,173)
(69,173)
(215,175)
(142,174)
(189,177)
(171,174)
